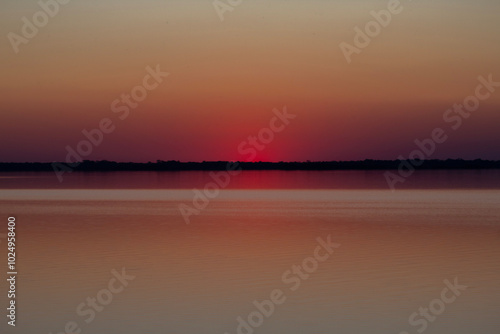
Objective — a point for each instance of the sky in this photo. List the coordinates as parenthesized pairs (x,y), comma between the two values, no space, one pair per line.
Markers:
(227,76)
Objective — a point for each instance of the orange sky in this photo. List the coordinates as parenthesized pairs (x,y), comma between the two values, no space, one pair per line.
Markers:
(227,76)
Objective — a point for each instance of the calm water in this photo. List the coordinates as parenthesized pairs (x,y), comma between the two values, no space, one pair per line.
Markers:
(396,249)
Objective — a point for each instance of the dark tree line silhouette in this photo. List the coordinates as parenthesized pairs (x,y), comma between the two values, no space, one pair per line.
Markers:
(160,165)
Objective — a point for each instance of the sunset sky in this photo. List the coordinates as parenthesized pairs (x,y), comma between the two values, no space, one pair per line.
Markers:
(227,76)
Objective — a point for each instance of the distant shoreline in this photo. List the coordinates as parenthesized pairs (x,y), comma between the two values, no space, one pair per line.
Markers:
(109,166)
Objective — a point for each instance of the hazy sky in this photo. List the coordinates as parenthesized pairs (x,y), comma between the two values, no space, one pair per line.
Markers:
(227,76)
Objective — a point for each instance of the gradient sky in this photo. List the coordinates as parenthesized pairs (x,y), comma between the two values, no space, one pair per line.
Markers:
(226,77)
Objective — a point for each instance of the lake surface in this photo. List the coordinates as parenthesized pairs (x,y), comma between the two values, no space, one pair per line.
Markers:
(394,251)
